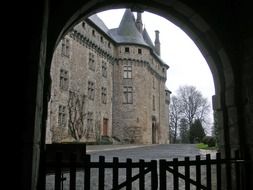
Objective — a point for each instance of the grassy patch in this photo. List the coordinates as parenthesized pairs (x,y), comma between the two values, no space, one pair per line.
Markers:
(202,146)
(205,146)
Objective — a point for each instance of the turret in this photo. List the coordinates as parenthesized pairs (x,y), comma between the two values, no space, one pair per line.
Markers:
(157,42)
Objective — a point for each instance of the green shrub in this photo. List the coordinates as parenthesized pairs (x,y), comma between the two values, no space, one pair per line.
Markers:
(209,140)
(105,140)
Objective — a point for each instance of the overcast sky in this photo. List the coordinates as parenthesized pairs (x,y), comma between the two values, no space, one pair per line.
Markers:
(187,65)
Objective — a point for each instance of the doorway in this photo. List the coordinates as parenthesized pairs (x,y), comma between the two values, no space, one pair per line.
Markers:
(105,127)
(154,130)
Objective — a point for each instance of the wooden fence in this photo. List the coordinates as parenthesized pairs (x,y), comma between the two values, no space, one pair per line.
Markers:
(212,169)
(200,173)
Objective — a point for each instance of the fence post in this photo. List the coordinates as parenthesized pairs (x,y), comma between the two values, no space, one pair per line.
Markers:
(58,171)
(101,173)
(208,172)
(175,174)
(129,174)
(218,170)
(72,172)
(198,172)
(228,170)
(115,171)
(142,176)
(187,172)
(162,172)
(154,182)
(87,172)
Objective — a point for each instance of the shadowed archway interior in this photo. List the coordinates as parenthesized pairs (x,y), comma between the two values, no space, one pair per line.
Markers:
(227,54)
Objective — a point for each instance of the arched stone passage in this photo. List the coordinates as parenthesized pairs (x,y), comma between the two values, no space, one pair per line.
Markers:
(215,38)
(197,29)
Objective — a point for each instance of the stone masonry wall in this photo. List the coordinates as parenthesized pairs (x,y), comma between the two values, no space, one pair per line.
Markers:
(147,85)
(79,73)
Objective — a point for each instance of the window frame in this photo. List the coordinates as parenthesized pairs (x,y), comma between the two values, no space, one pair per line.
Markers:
(127,95)
(127,71)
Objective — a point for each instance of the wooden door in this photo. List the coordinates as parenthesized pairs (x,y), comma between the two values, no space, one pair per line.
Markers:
(105,127)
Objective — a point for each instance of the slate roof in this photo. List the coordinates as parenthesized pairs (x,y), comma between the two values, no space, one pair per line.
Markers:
(96,20)
(127,32)
(147,38)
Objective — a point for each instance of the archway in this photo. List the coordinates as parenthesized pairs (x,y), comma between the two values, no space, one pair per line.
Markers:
(195,27)
(186,19)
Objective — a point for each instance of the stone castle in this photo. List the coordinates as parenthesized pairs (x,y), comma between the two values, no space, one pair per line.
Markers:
(108,85)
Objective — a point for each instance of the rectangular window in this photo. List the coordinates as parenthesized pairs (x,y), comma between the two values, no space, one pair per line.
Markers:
(90,130)
(91,61)
(127,71)
(139,51)
(93,33)
(104,69)
(64,79)
(83,25)
(65,47)
(128,94)
(153,103)
(126,49)
(91,90)
(153,82)
(103,95)
(62,116)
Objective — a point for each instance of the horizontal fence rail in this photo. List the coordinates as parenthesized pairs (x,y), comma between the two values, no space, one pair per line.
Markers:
(189,173)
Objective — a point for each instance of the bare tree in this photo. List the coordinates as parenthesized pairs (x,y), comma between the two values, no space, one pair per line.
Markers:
(193,105)
(190,105)
(174,116)
(77,115)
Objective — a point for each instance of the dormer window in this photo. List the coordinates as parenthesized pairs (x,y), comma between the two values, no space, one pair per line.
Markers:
(127,50)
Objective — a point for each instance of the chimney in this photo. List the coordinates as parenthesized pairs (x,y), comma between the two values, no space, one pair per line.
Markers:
(157,42)
(139,24)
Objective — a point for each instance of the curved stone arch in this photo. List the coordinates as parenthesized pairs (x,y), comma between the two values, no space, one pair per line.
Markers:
(182,16)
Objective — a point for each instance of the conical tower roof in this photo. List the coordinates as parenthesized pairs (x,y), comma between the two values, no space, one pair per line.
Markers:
(127,31)
(147,38)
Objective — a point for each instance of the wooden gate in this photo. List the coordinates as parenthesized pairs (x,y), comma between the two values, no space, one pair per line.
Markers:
(198,173)
(208,173)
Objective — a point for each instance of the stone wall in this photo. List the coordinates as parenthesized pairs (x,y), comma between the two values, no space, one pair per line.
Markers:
(80,73)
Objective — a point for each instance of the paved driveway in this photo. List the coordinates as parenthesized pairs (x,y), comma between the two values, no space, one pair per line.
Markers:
(146,152)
